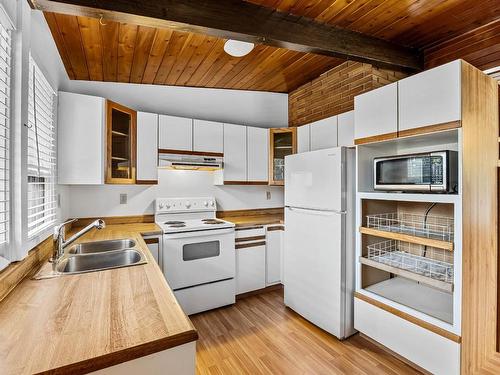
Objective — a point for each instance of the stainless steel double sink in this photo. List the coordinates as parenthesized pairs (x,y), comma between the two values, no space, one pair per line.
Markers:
(99,256)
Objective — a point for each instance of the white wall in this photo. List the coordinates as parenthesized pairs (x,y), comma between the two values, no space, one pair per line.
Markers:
(45,53)
(94,201)
(265,109)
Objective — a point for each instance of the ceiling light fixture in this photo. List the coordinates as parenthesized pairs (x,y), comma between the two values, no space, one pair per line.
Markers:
(237,49)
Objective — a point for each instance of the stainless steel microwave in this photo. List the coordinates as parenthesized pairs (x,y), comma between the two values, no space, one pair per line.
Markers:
(422,172)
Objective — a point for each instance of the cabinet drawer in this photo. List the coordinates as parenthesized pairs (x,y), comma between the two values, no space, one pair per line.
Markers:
(426,349)
(247,232)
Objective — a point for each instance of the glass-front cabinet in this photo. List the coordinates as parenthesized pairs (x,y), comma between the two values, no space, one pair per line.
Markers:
(283,142)
(121,127)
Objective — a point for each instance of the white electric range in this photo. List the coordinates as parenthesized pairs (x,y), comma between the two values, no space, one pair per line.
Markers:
(198,252)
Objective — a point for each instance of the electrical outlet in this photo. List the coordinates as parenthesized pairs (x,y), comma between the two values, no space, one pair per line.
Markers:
(123,198)
(268,195)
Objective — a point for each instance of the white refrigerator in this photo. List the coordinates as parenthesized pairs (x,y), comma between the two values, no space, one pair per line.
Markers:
(319,238)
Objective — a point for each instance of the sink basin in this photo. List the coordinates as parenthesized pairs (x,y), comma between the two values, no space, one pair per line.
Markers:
(102,246)
(100,261)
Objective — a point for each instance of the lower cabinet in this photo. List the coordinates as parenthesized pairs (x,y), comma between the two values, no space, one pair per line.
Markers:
(429,350)
(274,254)
(154,246)
(250,267)
(259,254)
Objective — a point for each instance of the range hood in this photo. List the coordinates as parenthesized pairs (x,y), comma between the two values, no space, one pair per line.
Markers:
(190,162)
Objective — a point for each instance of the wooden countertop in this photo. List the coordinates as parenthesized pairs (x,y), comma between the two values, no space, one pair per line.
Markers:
(266,219)
(81,323)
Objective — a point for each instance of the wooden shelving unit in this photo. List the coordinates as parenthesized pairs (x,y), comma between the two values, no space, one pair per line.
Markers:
(446,245)
(282,142)
(121,125)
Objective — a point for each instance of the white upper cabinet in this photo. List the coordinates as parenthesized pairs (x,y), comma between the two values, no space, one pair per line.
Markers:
(345,129)
(257,154)
(431,97)
(235,152)
(303,138)
(376,112)
(147,150)
(175,133)
(208,136)
(81,126)
(324,133)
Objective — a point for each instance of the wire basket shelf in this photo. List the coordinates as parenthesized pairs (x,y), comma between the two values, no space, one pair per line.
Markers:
(436,264)
(434,227)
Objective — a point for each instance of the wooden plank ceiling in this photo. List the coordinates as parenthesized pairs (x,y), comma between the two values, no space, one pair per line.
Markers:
(480,47)
(119,52)
(415,23)
(111,51)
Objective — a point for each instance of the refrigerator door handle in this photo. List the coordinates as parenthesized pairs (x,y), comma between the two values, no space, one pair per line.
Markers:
(314,211)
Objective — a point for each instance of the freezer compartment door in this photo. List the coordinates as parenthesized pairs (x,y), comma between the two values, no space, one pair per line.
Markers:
(316,179)
(313,267)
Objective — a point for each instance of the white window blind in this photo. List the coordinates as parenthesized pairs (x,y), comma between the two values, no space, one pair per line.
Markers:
(5,65)
(42,207)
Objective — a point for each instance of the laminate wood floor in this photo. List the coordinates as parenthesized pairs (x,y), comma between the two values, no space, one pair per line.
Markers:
(259,335)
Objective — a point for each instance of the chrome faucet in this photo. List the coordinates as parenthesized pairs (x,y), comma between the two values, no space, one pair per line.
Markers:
(59,237)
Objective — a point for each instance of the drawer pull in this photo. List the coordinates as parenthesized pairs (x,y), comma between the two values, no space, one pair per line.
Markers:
(252,244)
(253,238)
(277,227)
(248,228)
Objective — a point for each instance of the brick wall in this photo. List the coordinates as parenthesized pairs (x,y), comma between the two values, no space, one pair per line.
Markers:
(333,92)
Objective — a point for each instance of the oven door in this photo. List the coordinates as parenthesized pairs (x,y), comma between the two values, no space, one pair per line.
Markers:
(407,173)
(195,258)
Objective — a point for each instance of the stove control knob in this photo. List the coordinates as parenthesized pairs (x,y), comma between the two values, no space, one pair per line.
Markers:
(161,205)
(205,203)
(167,206)
(188,204)
(212,203)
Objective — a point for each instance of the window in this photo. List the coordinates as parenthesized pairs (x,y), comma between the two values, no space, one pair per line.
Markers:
(5,64)
(42,202)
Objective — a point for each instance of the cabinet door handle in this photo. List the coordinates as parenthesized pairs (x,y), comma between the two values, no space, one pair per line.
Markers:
(253,238)
(252,244)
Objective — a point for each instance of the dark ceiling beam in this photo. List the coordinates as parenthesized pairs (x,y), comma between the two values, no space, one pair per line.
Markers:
(236,19)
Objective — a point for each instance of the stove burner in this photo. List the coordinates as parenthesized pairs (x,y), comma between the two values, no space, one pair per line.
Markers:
(180,225)
(174,222)
(212,221)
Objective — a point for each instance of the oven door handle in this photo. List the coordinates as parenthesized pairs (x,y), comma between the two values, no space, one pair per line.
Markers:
(199,233)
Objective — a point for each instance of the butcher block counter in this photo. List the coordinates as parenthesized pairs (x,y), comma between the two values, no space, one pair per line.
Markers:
(80,323)
(246,218)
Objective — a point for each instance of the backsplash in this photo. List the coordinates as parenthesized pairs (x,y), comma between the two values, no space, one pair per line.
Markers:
(104,200)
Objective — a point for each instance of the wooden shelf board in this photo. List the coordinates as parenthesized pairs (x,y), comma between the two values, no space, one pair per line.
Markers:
(114,132)
(438,284)
(408,238)
(118,158)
